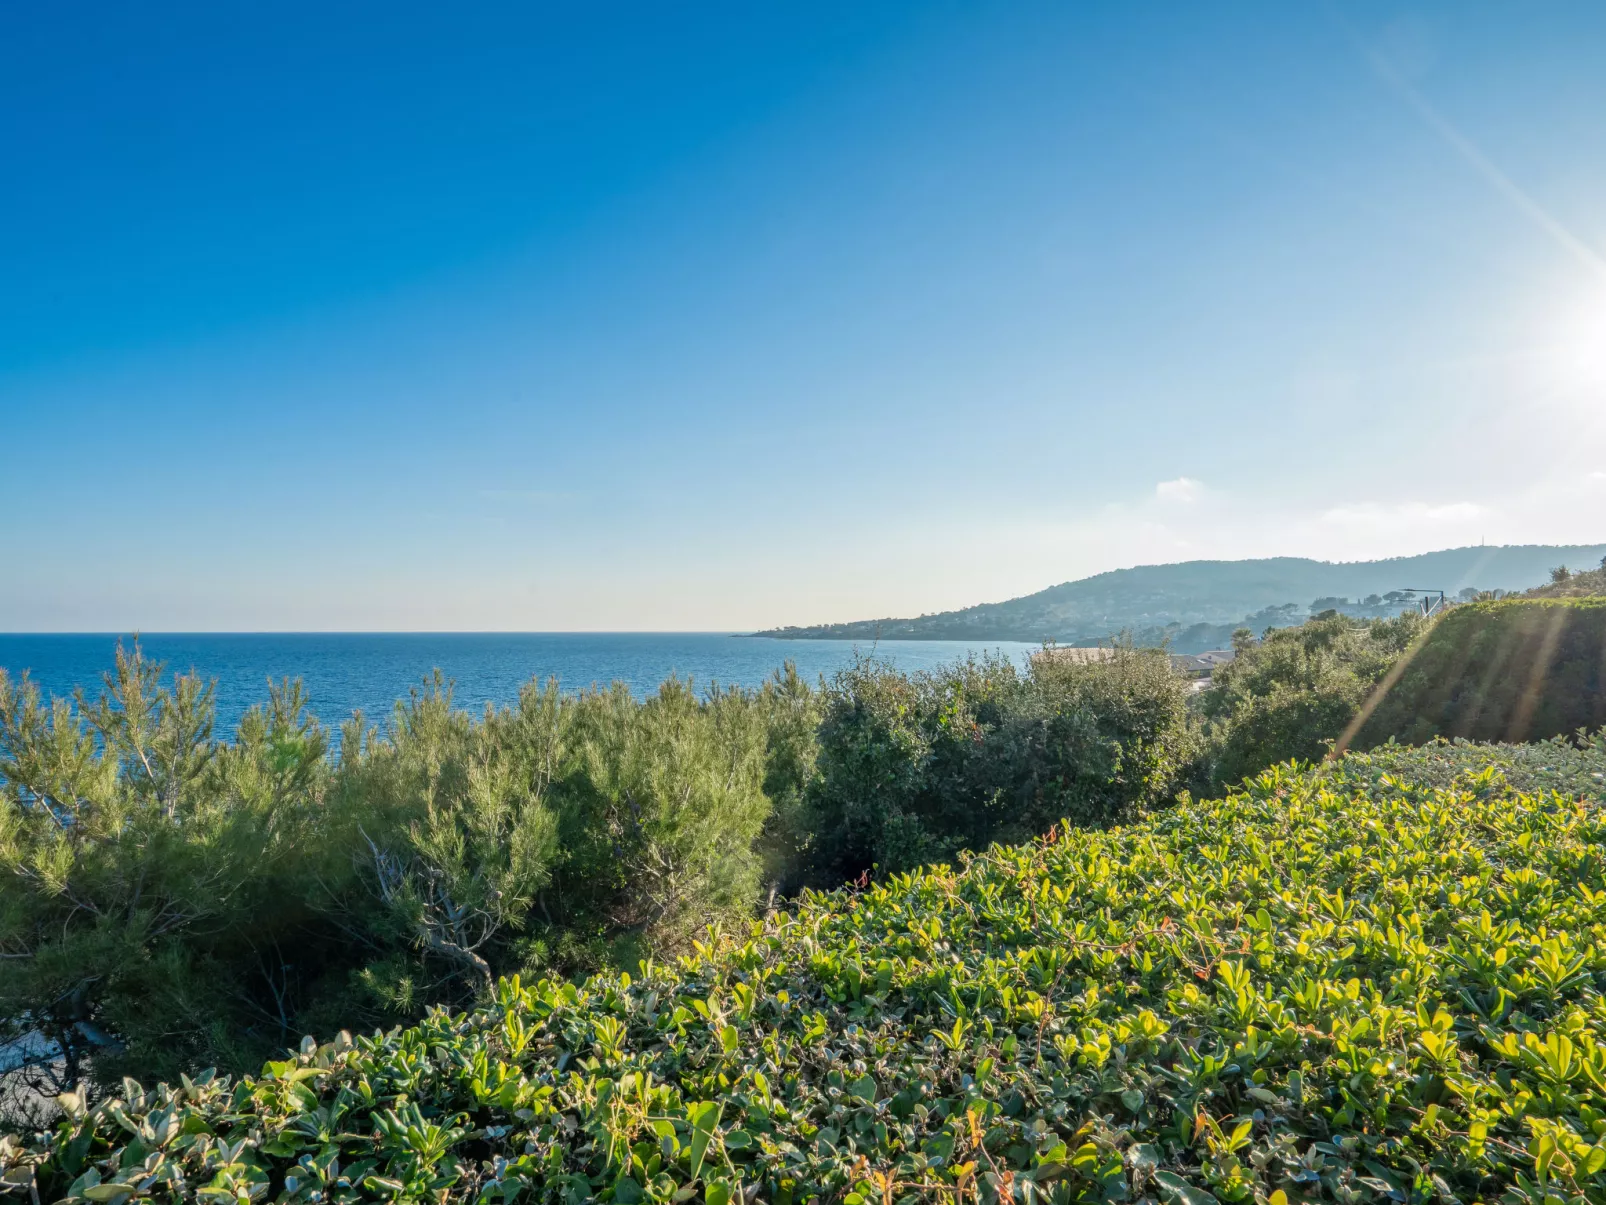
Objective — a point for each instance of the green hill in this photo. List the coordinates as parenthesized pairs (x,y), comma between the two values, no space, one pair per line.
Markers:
(1509,670)
(1332,985)
(1212,597)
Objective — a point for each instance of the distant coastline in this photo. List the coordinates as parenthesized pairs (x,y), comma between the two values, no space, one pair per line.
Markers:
(1194,606)
(871,630)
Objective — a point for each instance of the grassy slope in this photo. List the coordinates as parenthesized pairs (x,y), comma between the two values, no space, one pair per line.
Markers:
(1332,985)
(1510,670)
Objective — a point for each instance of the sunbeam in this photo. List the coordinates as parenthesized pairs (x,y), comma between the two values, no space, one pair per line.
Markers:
(1508,188)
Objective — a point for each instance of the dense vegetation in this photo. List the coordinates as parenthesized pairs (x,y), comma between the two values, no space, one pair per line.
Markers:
(915,769)
(169,901)
(1568,583)
(1297,690)
(1331,985)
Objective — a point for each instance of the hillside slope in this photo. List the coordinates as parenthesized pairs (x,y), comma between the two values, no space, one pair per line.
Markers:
(1512,670)
(1332,985)
(1165,600)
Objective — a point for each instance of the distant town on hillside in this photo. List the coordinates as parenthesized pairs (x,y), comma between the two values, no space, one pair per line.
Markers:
(1196,605)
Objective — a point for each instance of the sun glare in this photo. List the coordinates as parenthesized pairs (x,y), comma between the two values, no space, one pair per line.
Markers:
(1581,346)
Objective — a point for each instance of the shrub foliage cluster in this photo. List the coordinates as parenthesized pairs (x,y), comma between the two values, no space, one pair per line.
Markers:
(915,769)
(1292,693)
(1331,985)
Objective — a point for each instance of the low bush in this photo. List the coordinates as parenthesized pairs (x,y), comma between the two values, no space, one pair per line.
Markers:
(1330,985)
(1513,669)
(1573,767)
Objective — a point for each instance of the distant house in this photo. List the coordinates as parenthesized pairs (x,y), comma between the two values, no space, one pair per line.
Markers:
(1200,666)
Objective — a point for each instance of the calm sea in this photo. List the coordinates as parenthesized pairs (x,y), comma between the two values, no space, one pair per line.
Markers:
(345,672)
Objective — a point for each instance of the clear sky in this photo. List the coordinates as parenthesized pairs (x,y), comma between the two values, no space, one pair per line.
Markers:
(715,316)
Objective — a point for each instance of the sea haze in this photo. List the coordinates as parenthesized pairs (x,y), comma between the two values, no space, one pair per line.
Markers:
(346,672)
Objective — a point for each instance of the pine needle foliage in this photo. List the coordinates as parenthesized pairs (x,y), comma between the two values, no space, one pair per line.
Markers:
(169,900)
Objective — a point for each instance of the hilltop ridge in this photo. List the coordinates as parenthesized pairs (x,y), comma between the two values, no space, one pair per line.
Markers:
(1195,605)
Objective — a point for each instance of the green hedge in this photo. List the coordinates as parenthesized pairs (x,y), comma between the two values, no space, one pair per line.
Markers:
(1513,670)
(1333,985)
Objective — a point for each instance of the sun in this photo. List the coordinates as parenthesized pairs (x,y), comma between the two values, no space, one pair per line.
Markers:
(1563,358)
(1580,348)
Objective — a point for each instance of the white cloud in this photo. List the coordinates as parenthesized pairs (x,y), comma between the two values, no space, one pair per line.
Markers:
(1185,490)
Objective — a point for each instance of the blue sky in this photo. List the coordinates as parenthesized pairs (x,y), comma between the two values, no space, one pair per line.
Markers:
(621,316)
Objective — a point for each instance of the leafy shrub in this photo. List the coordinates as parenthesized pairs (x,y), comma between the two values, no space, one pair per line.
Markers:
(1290,695)
(891,787)
(1391,992)
(1514,670)
(793,712)
(914,769)
(1107,738)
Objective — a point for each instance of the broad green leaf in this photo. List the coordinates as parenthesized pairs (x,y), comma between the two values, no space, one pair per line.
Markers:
(704,1119)
(1177,1191)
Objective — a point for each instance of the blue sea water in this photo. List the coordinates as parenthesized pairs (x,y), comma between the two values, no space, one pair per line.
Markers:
(346,672)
